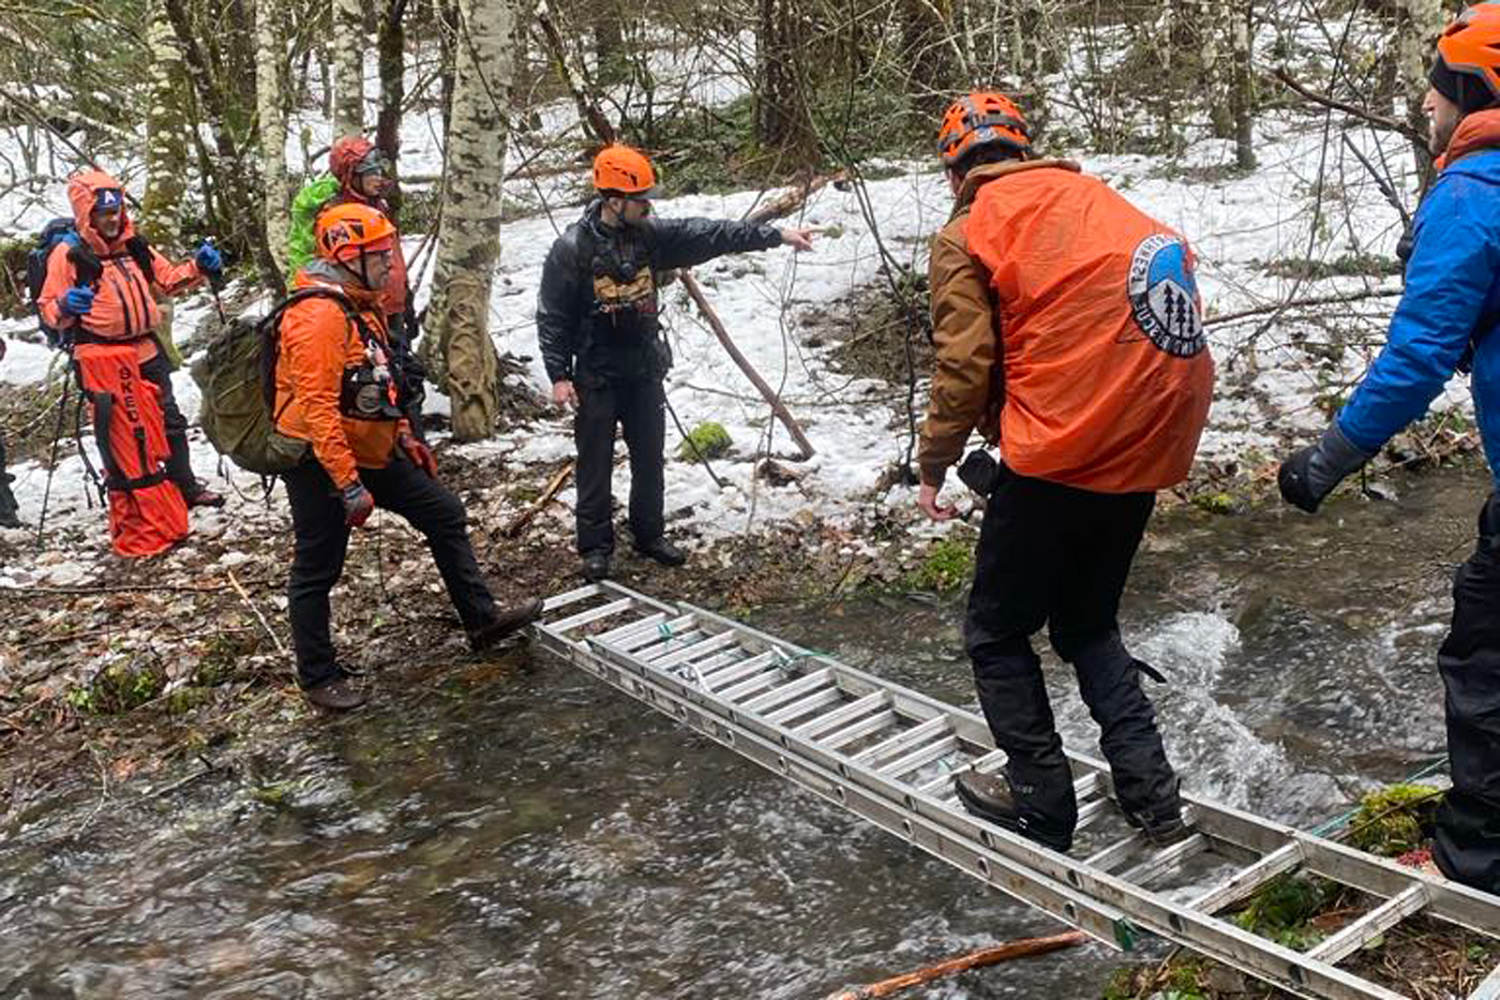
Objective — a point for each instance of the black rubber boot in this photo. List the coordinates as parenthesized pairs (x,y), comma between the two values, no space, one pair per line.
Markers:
(595,566)
(662,551)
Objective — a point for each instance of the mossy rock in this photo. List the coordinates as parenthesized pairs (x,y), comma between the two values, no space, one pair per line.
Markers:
(709,439)
(1394,819)
(118,688)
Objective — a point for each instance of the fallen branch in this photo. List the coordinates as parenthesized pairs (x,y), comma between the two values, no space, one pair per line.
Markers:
(690,284)
(1322,300)
(974,960)
(554,486)
(121,589)
(280,649)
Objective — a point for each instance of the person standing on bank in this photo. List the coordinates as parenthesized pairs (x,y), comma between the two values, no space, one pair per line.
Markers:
(334,390)
(1068,330)
(597,324)
(1445,322)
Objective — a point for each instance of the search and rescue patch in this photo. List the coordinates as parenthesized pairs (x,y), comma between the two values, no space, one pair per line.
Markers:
(1164,296)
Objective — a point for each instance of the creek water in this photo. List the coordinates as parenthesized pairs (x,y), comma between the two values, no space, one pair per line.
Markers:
(544,836)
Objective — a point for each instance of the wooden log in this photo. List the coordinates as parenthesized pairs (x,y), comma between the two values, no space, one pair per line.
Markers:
(974,960)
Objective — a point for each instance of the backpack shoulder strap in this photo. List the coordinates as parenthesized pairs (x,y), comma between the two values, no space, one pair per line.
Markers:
(140,252)
(270,332)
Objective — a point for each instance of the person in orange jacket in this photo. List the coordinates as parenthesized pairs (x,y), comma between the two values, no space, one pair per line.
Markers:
(1068,330)
(118,306)
(335,391)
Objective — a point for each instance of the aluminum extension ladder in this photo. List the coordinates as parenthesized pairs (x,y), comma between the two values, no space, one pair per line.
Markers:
(888,753)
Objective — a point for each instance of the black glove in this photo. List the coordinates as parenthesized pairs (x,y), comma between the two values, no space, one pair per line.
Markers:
(1311,474)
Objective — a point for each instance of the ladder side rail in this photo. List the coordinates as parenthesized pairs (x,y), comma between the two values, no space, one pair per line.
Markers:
(1031,869)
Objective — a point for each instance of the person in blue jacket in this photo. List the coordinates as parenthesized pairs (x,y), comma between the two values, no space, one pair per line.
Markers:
(1445,323)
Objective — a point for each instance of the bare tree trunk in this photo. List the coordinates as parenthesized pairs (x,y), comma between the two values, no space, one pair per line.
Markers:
(457,347)
(1418,27)
(1242,86)
(783,120)
(270,55)
(348,67)
(166,131)
(391,45)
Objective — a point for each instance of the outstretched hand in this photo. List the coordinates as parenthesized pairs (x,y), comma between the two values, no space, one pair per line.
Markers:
(927,499)
(798,239)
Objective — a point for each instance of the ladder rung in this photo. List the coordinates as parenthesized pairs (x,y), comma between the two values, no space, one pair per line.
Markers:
(940,787)
(864,727)
(593,614)
(661,645)
(1379,920)
(744,668)
(1167,857)
(697,649)
(900,741)
(1245,881)
(651,636)
(570,597)
(1090,783)
(989,763)
(921,757)
(1093,810)
(752,685)
(839,716)
(797,709)
(786,692)
(1112,855)
(650,621)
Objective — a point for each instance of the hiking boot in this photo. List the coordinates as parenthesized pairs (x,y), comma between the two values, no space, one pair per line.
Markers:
(1162,828)
(8,519)
(337,695)
(507,622)
(595,566)
(205,497)
(989,796)
(663,552)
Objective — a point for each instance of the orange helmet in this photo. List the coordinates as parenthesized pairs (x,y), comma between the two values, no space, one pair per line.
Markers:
(352,230)
(619,169)
(981,119)
(1467,71)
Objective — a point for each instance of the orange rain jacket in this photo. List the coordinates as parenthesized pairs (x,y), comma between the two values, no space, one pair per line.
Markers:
(318,341)
(125,306)
(1068,330)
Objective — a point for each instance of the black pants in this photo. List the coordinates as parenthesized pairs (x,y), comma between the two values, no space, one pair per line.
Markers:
(1058,556)
(323,539)
(638,406)
(179,462)
(1468,834)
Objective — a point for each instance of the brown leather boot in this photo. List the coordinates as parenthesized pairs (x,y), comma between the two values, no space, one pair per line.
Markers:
(507,622)
(338,695)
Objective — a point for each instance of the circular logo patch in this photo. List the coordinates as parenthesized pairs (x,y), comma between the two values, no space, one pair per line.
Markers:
(1164,296)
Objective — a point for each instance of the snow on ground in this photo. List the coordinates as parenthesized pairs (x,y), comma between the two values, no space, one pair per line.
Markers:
(1269,384)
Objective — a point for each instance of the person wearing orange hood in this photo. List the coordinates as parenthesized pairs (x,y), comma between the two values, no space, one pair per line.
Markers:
(101,290)
(1068,331)
(335,391)
(1446,322)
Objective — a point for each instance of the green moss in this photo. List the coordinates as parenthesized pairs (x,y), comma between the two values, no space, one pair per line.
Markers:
(118,688)
(709,439)
(1394,820)
(1216,503)
(1281,909)
(948,566)
(222,652)
(187,698)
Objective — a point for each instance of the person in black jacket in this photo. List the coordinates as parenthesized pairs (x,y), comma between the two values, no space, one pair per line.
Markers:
(601,340)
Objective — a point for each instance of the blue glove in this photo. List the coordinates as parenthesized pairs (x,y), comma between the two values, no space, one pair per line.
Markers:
(78,301)
(207,258)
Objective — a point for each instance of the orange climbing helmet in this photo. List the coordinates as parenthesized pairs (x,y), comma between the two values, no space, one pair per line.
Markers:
(1467,69)
(351,230)
(979,119)
(618,169)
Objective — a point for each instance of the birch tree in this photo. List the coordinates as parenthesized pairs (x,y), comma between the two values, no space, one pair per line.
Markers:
(348,67)
(166,130)
(1418,25)
(269,59)
(457,347)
